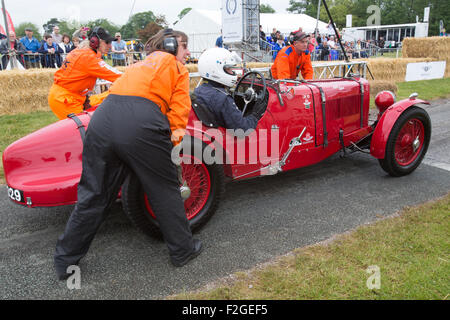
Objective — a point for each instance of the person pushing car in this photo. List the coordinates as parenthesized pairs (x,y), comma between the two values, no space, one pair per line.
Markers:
(78,75)
(135,129)
(294,59)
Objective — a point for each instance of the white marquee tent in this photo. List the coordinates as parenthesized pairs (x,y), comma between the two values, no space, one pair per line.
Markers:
(203,26)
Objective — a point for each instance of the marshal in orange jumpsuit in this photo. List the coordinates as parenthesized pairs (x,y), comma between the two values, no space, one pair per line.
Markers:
(288,64)
(76,77)
(164,81)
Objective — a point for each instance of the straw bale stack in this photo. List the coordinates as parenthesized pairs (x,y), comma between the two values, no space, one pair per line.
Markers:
(381,85)
(437,48)
(392,69)
(23,91)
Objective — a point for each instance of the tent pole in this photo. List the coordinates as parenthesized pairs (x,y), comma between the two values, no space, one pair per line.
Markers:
(335,31)
(318,16)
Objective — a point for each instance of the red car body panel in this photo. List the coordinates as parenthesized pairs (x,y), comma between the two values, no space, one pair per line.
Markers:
(385,124)
(46,165)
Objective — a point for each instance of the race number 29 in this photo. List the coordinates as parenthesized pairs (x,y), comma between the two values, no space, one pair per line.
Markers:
(15,195)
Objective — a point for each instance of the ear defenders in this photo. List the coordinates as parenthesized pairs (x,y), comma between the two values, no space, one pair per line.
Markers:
(94,40)
(170,43)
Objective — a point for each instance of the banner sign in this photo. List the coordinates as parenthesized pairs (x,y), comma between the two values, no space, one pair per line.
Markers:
(232,21)
(425,70)
(9,21)
(2,31)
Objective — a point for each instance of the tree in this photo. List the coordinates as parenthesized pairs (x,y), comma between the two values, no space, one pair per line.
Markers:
(105,24)
(152,28)
(183,13)
(48,26)
(266,8)
(137,22)
(20,30)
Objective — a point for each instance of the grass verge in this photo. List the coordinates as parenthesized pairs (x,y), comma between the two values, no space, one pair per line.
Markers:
(411,251)
(14,127)
(427,89)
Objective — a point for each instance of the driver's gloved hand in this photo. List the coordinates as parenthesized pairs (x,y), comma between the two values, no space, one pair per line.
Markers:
(260,108)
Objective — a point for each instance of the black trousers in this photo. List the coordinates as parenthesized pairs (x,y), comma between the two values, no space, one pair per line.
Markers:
(125,133)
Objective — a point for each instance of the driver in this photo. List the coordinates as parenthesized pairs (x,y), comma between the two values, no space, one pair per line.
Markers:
(293,59)
(216,68)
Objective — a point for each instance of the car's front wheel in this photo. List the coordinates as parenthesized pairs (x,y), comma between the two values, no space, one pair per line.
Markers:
(407,143)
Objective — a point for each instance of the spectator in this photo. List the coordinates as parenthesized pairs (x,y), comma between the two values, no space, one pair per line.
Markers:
(262,36)
(330,29)
(118,48)
(57,37)
(277,47)
(331,43)
(324,51)
(273,35)
(139,48)
(2,36)
(75,43)
(312,46)
(66,45)
(219,41)
(358,49)
(9,47)
(81,33)
(32,46)
(51,53)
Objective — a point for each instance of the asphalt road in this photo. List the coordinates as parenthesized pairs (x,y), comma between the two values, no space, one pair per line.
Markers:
(258,220)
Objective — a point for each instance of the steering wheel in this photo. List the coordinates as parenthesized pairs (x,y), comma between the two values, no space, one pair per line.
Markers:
(251,94)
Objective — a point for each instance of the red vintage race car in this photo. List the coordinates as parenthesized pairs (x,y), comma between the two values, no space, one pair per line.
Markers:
(305,122)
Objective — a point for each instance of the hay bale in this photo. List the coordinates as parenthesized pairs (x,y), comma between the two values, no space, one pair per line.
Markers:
(377,86)
(392,69)
(437,48)
(24,91)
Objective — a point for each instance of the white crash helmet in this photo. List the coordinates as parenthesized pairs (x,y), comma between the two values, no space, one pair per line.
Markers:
(212,64)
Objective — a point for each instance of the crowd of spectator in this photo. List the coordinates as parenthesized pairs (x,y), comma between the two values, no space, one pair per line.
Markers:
(50,52)
(324,47)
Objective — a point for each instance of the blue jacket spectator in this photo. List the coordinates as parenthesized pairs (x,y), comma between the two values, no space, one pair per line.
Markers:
(51,54)
(31,45)
(277,47)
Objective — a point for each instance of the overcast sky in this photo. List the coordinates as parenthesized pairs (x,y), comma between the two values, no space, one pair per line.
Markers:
(117,11)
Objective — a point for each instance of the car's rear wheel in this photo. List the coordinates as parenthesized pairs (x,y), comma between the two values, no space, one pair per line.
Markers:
(407,143)
(206,184)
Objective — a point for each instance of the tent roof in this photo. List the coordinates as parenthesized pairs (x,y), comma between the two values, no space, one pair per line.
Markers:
(285,23)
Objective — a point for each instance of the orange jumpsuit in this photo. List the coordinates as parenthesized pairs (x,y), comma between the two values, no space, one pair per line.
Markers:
(288,64)
(75,79)
(165,81)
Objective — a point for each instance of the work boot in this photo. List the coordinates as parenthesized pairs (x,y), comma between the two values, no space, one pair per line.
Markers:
(198,247)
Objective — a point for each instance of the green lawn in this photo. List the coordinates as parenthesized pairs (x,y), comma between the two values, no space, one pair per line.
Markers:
(14,127)
(411,252)
(427,89)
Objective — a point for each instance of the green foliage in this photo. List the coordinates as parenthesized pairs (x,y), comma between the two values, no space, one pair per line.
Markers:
(266,8)
(105,24)
(48,26)
(20,30)
(184,12)
(137,22)
(392,11)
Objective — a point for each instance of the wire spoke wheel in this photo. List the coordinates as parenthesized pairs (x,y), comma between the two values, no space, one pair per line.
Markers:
(407,143)
(205,183)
